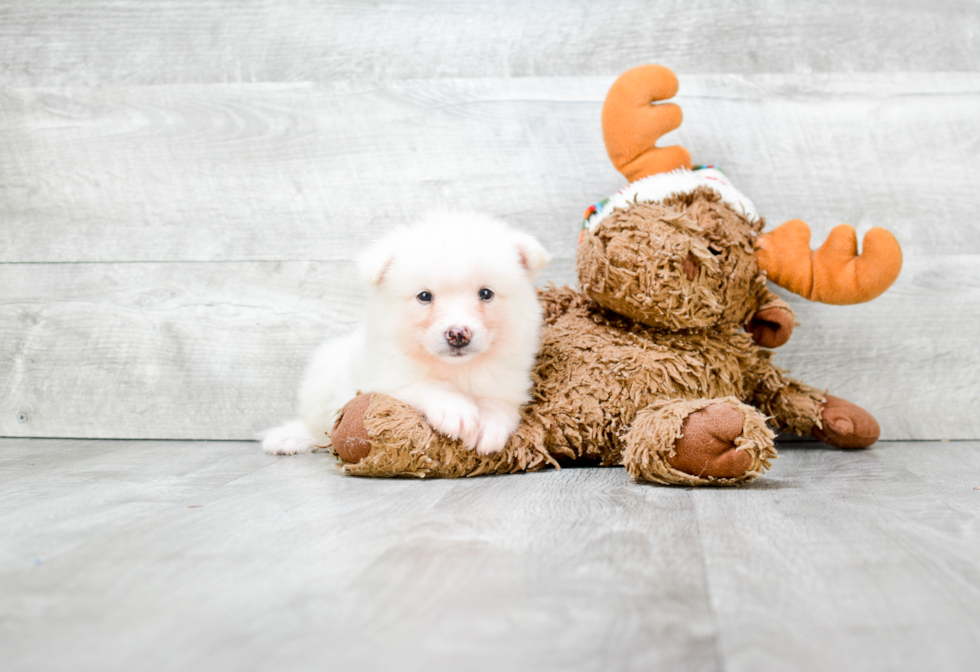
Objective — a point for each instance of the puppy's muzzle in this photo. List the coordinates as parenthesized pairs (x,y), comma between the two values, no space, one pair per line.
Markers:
(458,337)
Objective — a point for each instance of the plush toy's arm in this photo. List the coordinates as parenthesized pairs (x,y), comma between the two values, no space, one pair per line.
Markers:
(772,324)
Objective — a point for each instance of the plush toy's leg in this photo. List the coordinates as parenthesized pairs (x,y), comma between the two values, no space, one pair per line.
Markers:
(698,442)
(804,410)
(378,435)
(792,405)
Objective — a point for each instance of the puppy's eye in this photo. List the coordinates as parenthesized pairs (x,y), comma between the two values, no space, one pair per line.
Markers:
(424,297)
(486,294)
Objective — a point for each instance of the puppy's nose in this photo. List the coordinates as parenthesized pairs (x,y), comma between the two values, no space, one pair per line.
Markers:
(458,336)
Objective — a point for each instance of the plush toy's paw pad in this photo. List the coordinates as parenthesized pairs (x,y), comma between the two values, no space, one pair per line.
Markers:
(350,436)
(846,425)
(707,447)
(457,417)
(771,327)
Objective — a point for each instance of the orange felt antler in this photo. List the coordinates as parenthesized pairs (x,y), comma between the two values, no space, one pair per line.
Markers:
(631,126)
(835,272)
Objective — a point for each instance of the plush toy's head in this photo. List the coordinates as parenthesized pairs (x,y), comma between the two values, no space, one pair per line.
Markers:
(683,249)
(685,262)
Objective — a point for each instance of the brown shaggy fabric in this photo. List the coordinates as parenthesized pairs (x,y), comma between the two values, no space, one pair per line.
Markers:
(634,263)
(596,370)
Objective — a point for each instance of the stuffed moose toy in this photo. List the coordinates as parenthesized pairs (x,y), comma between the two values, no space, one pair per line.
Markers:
(661,362)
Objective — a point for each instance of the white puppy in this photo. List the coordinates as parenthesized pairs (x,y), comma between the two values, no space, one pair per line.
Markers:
(452,329)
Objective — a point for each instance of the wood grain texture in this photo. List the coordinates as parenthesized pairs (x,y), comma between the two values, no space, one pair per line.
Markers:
(176,239)
(183,42)
(836,560)
(183,350)
(867,564)
(287,564)
(163,350)
(275,172)
(301,171)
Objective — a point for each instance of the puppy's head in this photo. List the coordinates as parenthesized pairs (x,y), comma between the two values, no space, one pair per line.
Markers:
(453,287)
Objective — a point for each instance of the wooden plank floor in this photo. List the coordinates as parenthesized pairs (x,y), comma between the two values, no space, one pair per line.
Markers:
(171,555)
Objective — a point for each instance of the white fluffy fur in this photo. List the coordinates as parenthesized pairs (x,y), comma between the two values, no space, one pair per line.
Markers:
(472,393)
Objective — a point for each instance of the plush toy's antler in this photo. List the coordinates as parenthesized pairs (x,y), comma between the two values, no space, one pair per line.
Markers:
(835,272)
(631,126)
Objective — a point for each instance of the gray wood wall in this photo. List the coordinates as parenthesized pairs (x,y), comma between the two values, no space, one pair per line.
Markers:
(183,184)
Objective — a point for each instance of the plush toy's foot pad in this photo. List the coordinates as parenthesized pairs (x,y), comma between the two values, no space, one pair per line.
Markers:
(350,435)
(846,425)
(707,447)
(698,442)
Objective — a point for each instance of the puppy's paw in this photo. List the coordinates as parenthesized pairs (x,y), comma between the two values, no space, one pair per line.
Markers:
(498,420)
(288,439)
(455,416)
(493,436)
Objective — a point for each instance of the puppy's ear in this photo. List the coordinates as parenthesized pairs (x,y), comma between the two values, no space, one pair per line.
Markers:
(532,255)
(375,260)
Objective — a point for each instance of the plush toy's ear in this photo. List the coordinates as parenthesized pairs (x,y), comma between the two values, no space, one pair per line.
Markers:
(532,255)
(375,260)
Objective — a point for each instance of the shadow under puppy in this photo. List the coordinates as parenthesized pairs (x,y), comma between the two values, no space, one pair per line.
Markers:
(452,328)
